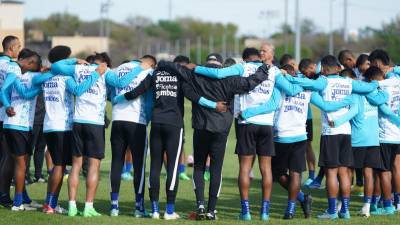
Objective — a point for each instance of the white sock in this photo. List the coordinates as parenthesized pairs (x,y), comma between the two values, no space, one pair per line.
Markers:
(72,204)
(88,205)
(398,207)
(367,206)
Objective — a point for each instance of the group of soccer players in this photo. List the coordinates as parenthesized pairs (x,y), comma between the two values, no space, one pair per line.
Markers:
(269,106)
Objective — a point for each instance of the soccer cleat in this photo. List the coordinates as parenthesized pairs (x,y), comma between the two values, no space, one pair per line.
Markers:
(327,216)
(141,214)
(315,185)
(18,208)
(155,215)
(183,176)
(201,213)
(388,211)
(207,176)
(90,212)
(345,215)
(264,216)
(245,217)
(173,216)
(127,176)
(40,179)
(33,204)
(47,209)
(72,211)
(306,205)
(60,210)
(288,216)
(114,212)
(364,212)
(211,216)
(308,182)
(29,207)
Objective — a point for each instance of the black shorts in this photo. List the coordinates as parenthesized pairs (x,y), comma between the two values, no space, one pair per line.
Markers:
(335,151)
(19,142)
(254,139)
(289,156)
(309,129)
(88,140)
(59,146)
(367,157)
(388,155)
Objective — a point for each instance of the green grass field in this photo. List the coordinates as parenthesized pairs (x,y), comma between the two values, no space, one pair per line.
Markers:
(228,204)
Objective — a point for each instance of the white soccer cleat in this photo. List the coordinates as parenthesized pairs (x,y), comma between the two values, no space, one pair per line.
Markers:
(173,216)
(60,210)
(34,204)
(114,212)
(155,215)
(18,208)
(364,212)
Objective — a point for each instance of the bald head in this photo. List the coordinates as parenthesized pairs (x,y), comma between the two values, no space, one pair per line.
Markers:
(267,52)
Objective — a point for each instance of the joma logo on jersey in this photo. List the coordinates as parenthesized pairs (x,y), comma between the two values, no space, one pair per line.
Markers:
(50,85)
(166,79)
(82,78)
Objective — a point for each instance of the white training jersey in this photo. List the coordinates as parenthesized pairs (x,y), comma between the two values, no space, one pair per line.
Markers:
(4,64)
(290,119)
(336,90)
(59,104)
(388,131)
(24,108)
(90,106)
(132,111)
(259,95)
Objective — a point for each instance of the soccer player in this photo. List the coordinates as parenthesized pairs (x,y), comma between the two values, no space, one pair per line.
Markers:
(170,82)
(11,47)
(362,64)
(88,125)
(347,59)
(19,102)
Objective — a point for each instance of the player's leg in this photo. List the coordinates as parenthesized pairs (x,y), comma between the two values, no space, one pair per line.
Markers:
(245,165)
(6,172)
(39,144)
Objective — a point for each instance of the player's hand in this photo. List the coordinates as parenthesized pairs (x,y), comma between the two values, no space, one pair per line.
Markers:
(331,124)
(221,107)
(44,69)
(190,66)
(145,65)
(82,62)
(10,112)
(101,69)
(284,71)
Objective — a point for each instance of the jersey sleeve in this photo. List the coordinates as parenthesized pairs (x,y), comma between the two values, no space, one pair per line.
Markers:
(112,78)
(40,79)
(388,113)
(362,87)
(64,67)
(287,87)
(24,92)
(330,106)
(377,97)
(139,90)
(78,89)
(8,83)
(309,84)
(271,105)
(220,73)
(350,114)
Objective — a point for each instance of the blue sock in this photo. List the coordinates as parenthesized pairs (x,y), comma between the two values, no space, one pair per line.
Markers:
(114,200)
(367,199)
(128,167)
(25,197)
(311,174)
(380,202)
(397,198)
(387,203)
(154,207)
(374,199)
(332,205)
(207,169)
(181,168)
(265,207)
(170,208)
(47,201)
(18,199)
(291,207)
(345,204)
(300,196)
(140,202)
(53,200)
(200,203)
(245,206)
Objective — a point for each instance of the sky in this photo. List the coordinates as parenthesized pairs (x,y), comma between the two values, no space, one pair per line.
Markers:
(249,15)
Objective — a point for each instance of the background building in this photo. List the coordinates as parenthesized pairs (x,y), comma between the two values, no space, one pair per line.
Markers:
(12,19)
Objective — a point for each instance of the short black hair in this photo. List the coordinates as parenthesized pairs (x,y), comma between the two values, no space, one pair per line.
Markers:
(373,72)
(7,41)
(182,59)
(342,54)
(380,54)
(304,64)
(329,61)
(229,62)
(90,59)
(285,59)
(151,58)
(58,53)
(348,73)
(247,52)
(27,53)
(103,57)
(361,59)
(289,69)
